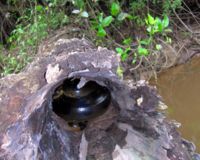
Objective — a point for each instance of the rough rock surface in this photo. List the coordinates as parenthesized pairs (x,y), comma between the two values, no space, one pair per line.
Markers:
(132,128)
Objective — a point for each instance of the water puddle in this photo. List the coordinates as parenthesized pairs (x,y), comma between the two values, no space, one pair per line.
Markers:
(180,89)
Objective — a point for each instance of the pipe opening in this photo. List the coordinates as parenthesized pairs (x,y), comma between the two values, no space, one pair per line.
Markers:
(79,105)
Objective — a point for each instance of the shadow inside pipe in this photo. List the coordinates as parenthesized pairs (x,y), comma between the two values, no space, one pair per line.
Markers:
(79,105)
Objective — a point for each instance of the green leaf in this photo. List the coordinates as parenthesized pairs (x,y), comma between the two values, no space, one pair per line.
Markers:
(134,60)
(151,20)
(158,47)
(106,21)
(122,16)
(65,20)
(20,30)
(165,21)
(101,32)
(168,40)
(38,8)
(50,4)
(122,53)
(120,72)
(130,17)
(115,9)
(146,21)
(127,41)
(142,51)
(149,29)
(144,42)
(79,3)
(127,50)
(119,50)
(124,56)
(100,17)
(168,30)
(159,25)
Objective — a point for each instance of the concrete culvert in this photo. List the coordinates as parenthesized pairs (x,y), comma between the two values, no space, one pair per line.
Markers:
(79,104)
(125,124)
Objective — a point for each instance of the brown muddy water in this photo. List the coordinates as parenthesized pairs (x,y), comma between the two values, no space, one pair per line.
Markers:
(180,89)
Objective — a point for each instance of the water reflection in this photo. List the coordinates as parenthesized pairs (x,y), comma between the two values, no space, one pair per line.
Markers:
(180,89)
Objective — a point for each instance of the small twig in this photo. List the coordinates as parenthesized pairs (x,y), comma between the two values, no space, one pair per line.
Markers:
(190,11)
(89,5)
(139,64)
(119,45)
(122,36)
(182,22)
(183,46)
(150,64)
(167,45)
(172,49)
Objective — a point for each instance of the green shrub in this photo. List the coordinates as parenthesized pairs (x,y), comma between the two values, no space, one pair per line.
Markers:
(106,19)
(32,28)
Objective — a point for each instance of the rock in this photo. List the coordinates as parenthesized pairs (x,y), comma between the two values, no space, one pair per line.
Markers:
(131,128)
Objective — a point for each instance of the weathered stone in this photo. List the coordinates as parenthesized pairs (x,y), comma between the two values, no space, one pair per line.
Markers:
(130,129)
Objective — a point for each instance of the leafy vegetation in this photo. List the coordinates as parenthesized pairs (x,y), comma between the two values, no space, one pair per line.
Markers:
(32,27)
(101,23)
(107,19)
